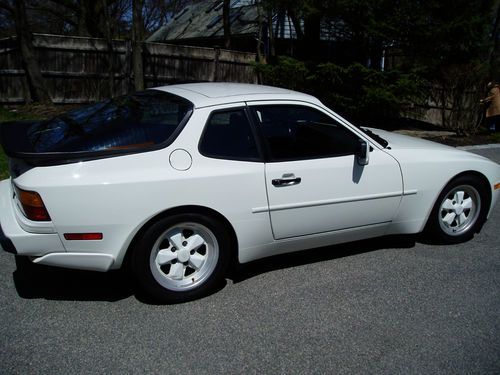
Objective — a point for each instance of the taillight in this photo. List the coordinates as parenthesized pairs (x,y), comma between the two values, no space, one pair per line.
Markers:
(32,205)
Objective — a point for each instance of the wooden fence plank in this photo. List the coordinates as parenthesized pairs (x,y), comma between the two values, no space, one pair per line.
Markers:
(76,68)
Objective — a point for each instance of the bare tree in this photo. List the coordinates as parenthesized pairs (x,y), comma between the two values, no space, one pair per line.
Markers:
(38,90)
(226,20)
(494,51)
(157,13)
(137,37)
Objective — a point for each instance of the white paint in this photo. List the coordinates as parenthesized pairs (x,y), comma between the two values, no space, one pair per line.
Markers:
(117,196)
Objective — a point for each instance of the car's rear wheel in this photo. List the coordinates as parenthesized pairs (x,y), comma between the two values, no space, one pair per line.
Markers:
(460,210)
(181,257)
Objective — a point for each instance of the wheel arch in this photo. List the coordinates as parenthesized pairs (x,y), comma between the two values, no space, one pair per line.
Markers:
(188,209)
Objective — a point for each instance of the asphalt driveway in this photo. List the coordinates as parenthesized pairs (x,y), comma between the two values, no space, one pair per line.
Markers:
(391,305)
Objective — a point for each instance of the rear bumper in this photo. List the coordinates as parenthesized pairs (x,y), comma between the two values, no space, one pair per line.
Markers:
(6,243)
(44,248)
(17,240)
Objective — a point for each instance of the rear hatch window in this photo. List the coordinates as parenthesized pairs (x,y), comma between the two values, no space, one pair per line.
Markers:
(132,123)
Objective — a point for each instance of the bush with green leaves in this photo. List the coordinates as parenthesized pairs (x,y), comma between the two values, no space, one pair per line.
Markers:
(357,92)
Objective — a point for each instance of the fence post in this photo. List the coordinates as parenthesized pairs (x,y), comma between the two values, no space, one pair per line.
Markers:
(216,64)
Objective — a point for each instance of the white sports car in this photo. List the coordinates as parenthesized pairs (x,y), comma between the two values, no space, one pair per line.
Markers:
(179,181)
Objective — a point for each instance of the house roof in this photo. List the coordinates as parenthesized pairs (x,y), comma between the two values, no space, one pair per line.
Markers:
(204,20)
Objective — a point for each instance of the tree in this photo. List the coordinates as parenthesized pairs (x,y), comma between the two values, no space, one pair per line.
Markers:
(137,37)
(38,90)
(226,21)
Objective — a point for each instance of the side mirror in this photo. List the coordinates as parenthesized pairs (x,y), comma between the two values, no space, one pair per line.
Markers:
(363,152)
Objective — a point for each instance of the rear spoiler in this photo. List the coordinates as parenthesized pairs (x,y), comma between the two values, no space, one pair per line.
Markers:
(13,137)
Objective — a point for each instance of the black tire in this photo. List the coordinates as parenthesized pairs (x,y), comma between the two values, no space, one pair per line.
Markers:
(459,212)
(171,266)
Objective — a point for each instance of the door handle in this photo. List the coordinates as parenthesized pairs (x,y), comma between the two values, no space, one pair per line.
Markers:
(286,181)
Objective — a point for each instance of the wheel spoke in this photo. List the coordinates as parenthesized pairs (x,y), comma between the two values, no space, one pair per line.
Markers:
(447,205)
(196,260)
(176,240)
(165,256)
(467,203)
(459,196)
(462,219)
(176,271)
(449,218)
(194,242)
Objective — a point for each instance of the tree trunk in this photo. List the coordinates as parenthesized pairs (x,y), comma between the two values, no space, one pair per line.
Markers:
(137,36)
(312,33)
(272,49)
(494,49)
(82,19)
(109,42)
(260,57)
(227,24)
(37,87)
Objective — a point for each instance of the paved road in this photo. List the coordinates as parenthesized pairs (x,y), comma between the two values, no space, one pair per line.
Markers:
(384,306)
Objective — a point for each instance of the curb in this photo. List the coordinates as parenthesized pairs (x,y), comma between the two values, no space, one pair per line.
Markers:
(479,147)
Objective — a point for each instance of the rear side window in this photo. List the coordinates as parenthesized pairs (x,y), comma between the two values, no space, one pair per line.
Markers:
(136,121)
(228,135)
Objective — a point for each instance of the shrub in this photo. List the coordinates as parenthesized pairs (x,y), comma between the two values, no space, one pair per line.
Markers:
(355,91)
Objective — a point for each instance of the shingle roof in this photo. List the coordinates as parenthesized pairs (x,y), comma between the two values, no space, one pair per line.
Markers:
(204,20)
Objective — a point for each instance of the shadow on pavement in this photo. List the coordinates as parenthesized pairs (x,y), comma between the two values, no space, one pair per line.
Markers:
(249,270)
(36,281)
(53,283)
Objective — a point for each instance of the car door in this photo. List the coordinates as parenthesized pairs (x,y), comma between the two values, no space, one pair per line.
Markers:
(313,179)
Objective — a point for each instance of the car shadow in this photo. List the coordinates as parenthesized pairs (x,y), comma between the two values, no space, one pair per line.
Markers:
(245,271)
(53,283)
(34,281)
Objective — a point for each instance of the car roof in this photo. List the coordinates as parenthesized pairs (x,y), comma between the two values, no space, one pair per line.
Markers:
(214,93)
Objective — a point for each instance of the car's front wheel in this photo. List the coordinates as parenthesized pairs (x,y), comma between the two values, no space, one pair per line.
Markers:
(460,210)
(181,257)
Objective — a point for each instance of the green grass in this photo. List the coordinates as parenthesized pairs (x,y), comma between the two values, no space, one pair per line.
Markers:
(495,137)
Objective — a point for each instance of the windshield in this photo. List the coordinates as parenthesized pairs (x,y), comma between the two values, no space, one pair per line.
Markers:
(135,121)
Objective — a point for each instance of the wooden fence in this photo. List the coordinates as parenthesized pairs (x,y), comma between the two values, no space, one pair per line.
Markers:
(79,70)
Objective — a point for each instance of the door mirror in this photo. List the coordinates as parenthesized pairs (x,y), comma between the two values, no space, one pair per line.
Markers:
(363,152)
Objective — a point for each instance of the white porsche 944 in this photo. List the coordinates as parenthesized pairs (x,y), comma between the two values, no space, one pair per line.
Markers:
(180,181)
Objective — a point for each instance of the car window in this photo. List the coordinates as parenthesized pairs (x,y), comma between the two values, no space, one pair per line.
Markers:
(134,121)
(294,132)
(228,135)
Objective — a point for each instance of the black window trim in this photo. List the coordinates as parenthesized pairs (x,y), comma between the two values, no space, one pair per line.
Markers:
(264,144)
(259,159)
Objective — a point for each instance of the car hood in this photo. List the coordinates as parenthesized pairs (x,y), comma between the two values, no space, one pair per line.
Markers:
(400,142)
